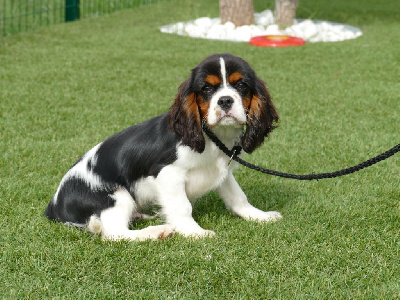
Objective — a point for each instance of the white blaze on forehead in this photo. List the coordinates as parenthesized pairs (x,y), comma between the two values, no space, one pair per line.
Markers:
(223,71)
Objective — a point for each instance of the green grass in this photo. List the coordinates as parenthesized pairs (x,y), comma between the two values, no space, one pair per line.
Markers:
(29,15)
(67,87)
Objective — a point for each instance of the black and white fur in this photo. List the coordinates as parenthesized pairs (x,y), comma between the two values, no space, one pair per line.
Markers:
(167,161)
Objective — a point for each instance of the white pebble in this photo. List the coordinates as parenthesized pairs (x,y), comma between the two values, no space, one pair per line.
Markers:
(203,22)
(309,30)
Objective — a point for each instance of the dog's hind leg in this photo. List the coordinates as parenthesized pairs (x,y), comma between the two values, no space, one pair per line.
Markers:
(113,222)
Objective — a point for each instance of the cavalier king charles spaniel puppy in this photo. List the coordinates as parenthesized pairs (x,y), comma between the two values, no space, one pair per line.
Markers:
(167,161)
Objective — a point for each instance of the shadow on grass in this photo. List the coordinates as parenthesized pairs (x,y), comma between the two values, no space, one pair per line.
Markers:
(274,196)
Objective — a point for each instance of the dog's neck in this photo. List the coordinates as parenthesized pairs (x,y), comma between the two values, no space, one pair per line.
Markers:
(229,135)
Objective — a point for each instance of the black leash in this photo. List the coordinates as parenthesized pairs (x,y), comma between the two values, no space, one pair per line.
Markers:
(233,154)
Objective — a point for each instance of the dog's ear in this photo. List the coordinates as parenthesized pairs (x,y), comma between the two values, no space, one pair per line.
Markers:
(261,117)
(184,118)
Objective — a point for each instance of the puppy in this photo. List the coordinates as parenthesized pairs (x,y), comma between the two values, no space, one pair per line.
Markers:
(168,161)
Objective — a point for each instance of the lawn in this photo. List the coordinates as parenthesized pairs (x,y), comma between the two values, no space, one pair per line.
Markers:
(67,87)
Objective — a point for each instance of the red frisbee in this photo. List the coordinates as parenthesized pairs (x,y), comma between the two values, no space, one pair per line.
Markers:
(276,41)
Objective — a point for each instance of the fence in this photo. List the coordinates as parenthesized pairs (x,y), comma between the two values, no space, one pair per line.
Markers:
(27,15)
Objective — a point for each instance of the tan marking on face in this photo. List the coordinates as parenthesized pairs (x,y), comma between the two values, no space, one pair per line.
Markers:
(191,108)
(204,106)
(213,80)
(256,106)
(246,102)
(234,77)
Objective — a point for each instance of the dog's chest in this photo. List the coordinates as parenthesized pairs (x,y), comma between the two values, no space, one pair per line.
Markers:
(191,175)
(205,178)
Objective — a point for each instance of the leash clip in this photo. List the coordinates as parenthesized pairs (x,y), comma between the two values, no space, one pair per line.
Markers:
(234,150)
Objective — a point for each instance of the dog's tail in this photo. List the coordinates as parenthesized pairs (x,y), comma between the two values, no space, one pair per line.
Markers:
(50,211)
(93,225)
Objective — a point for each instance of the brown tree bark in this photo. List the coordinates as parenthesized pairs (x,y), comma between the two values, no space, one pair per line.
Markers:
(239,12)
(285,12)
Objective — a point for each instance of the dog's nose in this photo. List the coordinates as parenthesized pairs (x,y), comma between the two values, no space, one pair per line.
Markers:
(225,102)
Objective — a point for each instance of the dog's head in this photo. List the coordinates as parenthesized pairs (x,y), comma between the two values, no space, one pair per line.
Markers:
(223,90)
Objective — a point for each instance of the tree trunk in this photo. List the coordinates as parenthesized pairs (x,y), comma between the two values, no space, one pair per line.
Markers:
(239,12)
(285,12)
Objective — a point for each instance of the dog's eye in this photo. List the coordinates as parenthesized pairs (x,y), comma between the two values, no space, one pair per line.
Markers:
(207,89)
(240,85)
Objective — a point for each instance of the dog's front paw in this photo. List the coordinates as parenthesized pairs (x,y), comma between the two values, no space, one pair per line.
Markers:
(255,214)
(201,234)
(268,216)
(158,232)
(196,234)
(189,228)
